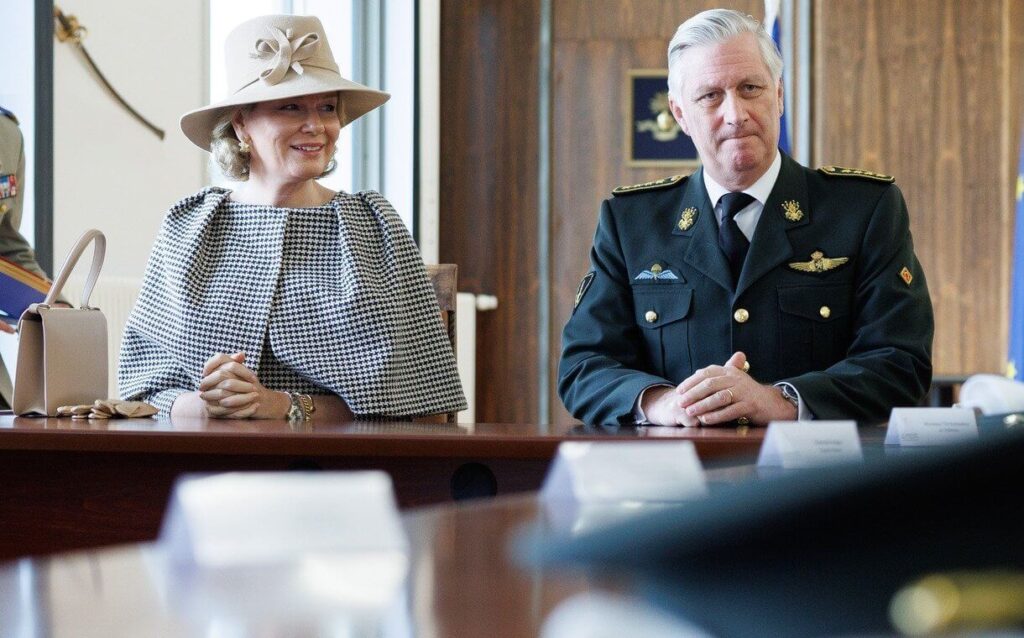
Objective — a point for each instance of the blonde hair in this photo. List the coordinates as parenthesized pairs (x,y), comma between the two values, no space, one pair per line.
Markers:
(226,152)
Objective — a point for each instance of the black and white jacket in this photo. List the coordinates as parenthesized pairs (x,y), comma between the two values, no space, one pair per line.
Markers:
(330,299)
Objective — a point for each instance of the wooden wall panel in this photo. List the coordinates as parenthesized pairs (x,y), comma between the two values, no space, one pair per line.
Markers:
(918,89)
(594,44)
(488,198)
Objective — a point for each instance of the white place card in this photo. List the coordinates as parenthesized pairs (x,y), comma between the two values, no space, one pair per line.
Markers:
(911,427)
(267,518)
(803,444)
(603,472)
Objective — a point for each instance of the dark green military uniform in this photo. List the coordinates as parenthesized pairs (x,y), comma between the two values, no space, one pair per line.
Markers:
(831,298)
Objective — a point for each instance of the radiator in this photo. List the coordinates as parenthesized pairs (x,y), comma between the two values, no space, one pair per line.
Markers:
(467,307)
(115,296)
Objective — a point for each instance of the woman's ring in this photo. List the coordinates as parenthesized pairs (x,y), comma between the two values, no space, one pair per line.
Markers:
(732,397)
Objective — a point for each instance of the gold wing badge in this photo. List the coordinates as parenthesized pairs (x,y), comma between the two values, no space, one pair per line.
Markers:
(819,263)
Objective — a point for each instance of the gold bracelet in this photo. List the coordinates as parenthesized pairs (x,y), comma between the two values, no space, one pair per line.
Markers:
(302,407)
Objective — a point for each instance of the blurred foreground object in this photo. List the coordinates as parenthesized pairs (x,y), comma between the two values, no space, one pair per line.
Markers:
(959,601)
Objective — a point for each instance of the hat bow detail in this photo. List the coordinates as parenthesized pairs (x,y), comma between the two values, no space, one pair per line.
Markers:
(285,51)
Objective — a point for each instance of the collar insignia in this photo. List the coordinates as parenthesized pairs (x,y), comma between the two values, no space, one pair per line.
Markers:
(657,273)
(791,209)
(687,218)
(819,263)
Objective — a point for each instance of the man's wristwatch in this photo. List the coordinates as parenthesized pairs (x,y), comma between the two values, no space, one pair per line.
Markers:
(301,408)
(789,395)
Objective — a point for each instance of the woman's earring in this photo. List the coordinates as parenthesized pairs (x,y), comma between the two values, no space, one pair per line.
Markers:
(244,148)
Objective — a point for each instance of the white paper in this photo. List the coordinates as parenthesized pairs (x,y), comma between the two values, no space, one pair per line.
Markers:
(614,471)
(8,355)
(803,444)
(262,518)
(600,615)
(992,394)
(910,427)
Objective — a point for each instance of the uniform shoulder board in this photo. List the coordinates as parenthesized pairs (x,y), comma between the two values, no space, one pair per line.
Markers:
(7,113)
(649,186)
(842,171)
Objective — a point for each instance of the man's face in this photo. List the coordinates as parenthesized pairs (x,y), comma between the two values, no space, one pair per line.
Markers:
(730,107)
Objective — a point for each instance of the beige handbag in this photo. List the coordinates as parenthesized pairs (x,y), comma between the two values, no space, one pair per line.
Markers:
(62,352)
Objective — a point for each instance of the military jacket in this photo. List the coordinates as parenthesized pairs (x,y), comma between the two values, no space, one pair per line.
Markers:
(831,299)
(13,245)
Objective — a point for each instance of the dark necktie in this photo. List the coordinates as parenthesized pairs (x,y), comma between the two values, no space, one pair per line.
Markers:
(732,240)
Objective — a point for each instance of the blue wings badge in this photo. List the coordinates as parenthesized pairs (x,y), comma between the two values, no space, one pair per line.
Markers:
(657,273)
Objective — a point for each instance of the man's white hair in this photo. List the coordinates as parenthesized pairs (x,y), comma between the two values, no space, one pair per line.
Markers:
(713,27)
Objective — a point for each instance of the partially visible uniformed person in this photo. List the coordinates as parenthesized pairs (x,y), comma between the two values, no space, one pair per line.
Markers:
(13,245)
(756,289)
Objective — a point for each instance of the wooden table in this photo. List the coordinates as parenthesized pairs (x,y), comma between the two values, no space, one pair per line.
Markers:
(461,582)
(77,484)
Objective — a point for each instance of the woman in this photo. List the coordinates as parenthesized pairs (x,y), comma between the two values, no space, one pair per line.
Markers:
(283,298)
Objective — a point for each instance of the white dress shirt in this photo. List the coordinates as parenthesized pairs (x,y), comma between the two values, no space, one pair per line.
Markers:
(748,216)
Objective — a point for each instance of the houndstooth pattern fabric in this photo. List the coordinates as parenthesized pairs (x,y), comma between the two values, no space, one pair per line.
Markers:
(329,299)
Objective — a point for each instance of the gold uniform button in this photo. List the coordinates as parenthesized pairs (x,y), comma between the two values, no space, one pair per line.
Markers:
(651,316)
(825,312)
(4,208)
(741,315)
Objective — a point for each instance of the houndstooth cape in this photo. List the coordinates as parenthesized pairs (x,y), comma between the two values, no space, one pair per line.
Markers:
(327,299)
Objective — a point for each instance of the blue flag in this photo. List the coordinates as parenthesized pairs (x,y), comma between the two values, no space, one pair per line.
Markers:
(774,26)
(1015,355)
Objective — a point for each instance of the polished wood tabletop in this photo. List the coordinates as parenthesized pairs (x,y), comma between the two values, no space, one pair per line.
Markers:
(461,581)
(318,438)
(73,484)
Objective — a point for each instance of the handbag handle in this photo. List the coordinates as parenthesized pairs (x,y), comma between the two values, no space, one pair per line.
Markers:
(99,250)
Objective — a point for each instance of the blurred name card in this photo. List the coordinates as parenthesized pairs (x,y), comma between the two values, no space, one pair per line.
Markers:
(268,518)
(804,444)
(930,426)
(601,472)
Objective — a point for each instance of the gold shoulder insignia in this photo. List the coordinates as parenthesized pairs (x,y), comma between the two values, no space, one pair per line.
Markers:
(649,186)
(842,171)
(819,263)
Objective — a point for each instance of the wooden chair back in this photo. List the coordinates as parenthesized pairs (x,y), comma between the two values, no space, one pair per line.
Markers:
(444,278)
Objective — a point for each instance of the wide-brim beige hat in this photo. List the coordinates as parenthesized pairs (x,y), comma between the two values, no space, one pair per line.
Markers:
(275,57)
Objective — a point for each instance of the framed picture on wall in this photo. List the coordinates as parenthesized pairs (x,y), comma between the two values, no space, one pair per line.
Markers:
(653,138)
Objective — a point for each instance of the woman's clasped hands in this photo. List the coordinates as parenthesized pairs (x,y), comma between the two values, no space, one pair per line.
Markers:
(230,390)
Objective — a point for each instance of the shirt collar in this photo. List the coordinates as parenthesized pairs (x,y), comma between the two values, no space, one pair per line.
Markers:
(759,190)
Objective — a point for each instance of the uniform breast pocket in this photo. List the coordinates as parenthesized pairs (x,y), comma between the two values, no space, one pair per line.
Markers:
(661,311)
(814,326)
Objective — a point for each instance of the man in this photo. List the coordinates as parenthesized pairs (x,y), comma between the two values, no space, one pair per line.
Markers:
(13,246)
(755,290)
